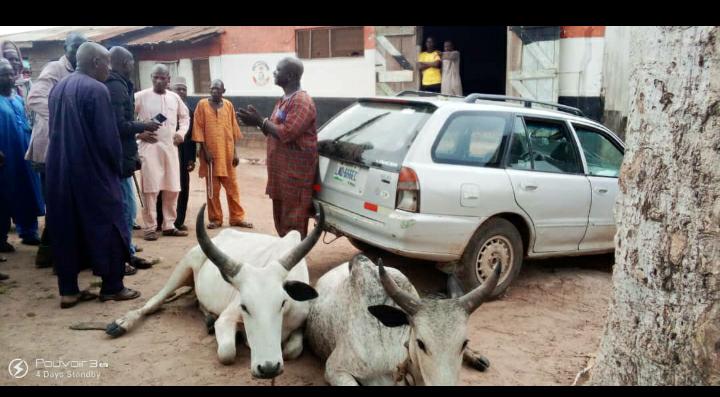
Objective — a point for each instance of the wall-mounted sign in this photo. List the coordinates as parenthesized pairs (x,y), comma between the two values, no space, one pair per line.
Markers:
(260,73)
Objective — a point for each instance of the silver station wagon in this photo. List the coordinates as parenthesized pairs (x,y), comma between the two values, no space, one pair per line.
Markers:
(476,181)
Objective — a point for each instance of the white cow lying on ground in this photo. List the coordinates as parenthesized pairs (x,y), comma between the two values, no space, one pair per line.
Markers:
(424,340)
(255,280)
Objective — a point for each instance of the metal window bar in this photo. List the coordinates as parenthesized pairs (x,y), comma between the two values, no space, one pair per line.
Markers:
(527,102)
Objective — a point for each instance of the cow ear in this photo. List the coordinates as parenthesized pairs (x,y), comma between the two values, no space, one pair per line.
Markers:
(300,291)
(389,316)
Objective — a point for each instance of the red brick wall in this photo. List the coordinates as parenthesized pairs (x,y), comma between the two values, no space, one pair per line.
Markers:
(264,39)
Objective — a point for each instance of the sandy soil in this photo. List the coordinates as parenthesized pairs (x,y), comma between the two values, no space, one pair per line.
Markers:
(541,332)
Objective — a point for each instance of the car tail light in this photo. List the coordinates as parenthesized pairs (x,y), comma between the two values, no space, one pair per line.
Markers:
(408,191)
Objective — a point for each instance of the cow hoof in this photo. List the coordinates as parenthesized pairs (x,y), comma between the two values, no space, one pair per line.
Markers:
(115,330)
(480,363)
(210,323)
(226,359)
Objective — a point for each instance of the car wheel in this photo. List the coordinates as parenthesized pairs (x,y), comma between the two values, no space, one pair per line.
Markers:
(496,241)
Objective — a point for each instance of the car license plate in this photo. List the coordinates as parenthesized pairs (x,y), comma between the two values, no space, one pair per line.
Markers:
(346,174)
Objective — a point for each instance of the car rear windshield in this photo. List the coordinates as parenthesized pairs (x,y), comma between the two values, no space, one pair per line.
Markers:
(374,134)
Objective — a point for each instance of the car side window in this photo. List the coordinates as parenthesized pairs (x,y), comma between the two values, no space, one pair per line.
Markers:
(472,139)
(520,154)
(552,147)
(602,156)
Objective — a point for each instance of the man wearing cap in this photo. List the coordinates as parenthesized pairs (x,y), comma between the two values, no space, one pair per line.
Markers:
(186,152)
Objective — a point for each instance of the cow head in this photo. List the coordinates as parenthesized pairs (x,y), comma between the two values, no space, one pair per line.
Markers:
(264,295)
(438,328)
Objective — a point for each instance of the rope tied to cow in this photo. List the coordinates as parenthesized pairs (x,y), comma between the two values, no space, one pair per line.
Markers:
(402,372)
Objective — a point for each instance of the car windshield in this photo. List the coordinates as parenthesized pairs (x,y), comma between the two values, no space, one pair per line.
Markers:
(374,134)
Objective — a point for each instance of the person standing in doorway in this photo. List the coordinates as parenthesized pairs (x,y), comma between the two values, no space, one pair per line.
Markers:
(451,84)
(429,64)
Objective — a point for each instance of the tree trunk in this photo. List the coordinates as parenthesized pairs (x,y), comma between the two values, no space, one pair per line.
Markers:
(663,324)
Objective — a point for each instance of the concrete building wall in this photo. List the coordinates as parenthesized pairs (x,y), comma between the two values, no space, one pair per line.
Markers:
(40,54)
(244,57)
(617,66)
(580,71)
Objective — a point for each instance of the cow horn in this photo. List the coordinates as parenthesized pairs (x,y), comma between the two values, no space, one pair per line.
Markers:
(473,299)
(228,267)
(298,253)
(405,300)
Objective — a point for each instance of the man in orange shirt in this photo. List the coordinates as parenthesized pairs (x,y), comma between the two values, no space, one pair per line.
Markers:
(216,129)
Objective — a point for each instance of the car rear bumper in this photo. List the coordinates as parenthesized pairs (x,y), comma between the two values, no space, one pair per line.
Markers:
(430,237)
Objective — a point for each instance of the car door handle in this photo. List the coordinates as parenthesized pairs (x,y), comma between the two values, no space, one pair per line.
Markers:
(601,190)
(528,186)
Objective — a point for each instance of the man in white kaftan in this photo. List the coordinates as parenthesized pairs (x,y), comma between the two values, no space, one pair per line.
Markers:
(158,152)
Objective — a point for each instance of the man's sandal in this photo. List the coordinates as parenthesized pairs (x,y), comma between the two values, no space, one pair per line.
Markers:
(244,224)
(130,270)
(213,225)
(83,296)
(124,295)
(151,236)
(140,263)
(174,233)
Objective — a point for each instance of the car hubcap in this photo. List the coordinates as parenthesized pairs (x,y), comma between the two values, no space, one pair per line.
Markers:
(496,250)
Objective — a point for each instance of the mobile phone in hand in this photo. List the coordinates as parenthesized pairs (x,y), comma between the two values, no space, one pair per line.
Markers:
(160,118)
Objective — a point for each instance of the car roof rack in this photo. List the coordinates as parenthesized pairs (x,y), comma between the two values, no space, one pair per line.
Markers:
(527,102)
(425,94)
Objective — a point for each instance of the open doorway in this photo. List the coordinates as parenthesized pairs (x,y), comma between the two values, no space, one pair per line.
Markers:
(483,51)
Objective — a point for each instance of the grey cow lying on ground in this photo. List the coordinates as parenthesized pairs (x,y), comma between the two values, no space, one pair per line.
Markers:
(256,281)
(419,341)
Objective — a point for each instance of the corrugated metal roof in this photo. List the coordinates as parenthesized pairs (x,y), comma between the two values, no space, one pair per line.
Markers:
(177,34)
(94,33)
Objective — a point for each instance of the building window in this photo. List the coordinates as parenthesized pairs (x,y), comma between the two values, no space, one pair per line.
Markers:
(330,42)
(201,75)
(172,68)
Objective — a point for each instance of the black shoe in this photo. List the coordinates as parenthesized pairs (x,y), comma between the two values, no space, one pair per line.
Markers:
(129,270)
(6,247)
(31,240)
(43,259)
(140,263)
(4,276)
(136,226)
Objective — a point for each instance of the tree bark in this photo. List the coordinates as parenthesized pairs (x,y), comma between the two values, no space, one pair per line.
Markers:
(663,324)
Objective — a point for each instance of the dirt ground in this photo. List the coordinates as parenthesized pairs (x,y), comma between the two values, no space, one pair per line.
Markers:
(542,331)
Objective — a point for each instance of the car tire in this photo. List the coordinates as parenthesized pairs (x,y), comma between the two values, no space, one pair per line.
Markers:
(496,240)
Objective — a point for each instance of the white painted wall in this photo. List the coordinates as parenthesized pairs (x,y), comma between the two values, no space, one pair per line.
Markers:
(581,66)
(176,68)
(333,77)
(185,70)
(616,64)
